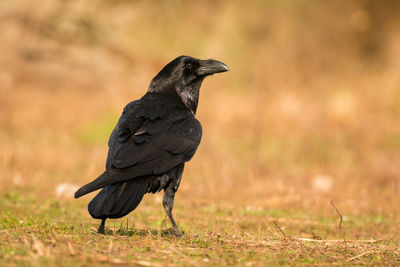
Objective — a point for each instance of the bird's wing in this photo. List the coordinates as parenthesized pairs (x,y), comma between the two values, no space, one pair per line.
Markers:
(147,148)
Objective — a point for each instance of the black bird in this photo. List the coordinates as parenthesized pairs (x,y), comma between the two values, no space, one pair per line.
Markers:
(151,142)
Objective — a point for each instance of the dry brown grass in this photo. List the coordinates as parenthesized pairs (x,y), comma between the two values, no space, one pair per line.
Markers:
(308,114)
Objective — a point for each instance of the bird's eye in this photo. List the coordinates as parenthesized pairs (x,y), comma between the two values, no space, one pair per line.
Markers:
(189,66)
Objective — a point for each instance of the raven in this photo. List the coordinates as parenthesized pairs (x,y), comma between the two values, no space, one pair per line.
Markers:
(151,142)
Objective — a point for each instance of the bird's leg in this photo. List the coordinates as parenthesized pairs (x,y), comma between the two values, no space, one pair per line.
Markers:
(169,195)
(101,227)
(168,203)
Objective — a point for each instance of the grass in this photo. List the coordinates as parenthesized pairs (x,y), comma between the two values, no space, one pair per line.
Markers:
(59,232)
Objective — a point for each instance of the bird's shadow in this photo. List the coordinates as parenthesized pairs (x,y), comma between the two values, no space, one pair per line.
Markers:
(139,232)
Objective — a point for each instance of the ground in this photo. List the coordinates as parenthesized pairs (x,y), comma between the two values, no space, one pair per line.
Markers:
(54,232)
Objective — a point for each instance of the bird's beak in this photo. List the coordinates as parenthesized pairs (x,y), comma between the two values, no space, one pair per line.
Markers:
(211,66)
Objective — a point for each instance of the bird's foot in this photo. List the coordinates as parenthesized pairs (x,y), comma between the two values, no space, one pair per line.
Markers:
(172,232)
(101,230)
(101,227)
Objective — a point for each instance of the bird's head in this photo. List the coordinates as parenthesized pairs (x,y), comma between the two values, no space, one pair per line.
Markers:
(184,76)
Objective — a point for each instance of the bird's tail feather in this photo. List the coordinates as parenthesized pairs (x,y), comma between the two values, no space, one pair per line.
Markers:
(117,200)
(98,183)
(109,177)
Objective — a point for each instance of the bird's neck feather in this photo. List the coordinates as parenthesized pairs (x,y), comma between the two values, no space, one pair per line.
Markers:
(186,94)
(189,97)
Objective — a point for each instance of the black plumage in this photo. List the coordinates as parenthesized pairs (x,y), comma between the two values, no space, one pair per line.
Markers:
(151,142)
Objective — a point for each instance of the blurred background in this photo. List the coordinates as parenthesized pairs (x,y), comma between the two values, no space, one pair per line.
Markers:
(310,111)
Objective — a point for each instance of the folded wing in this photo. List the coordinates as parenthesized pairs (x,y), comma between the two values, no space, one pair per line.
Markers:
(140,147)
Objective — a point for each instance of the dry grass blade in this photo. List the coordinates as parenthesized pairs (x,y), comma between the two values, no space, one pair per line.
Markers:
(25,240)
(71,249)
(144,263)
(110,246)
(360,255)
(270,229)
(37,246)
(117,261)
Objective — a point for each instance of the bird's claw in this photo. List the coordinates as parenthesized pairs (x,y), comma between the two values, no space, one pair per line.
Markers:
(172,232)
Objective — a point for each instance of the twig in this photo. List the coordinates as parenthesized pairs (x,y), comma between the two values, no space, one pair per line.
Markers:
(340,215)
(333,240)
(277,226)
(360,255)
